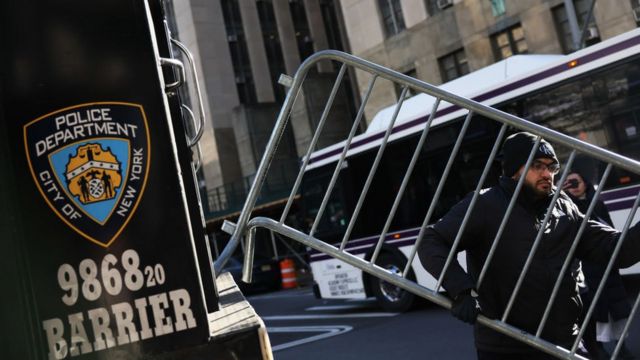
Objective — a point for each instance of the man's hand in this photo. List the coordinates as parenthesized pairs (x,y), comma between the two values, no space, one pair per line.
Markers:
(466,307)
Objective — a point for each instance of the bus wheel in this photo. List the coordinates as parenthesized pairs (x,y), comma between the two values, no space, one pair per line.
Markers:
(389,296)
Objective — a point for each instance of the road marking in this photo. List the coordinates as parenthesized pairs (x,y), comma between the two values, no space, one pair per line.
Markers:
(328,316)
(337,307)
(282,294)
(369,299)
(326,332)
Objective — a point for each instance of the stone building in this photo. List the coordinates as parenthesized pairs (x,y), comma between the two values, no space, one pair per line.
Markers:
(439,40)
(241,48)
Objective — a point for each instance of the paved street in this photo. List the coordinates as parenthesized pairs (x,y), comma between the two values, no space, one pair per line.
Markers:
(303,327)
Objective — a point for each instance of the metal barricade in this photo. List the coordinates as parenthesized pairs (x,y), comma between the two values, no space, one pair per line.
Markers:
(247,227)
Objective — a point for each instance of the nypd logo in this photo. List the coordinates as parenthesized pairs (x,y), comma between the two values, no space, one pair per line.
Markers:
(90,162)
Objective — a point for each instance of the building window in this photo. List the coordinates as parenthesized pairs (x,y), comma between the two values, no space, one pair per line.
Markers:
(432,7)
(437,6)
(453,65)
(497,7)
(331,23)
(239,52)
(272,45)
(509,42)
(561,20)
(391,16)
(301,27)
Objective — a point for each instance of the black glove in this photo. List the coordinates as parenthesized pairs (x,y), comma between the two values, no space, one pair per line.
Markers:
(466,307)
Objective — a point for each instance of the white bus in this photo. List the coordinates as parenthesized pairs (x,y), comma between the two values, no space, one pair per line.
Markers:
(592,94)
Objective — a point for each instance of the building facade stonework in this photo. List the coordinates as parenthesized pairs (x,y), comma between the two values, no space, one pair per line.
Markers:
(241,47)
(438,40)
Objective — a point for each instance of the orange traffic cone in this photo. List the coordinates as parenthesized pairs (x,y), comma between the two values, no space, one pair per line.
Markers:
(288,272)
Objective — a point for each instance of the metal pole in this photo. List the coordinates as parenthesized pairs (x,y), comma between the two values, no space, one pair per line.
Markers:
(275,247)
(573,24)
(585,26)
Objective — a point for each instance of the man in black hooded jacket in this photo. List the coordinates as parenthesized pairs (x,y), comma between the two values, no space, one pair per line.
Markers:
(491,299)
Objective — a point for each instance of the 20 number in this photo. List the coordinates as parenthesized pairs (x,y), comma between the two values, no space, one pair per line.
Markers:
(155,275)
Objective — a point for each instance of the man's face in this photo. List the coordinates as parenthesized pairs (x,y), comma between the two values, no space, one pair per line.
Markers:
(539,178)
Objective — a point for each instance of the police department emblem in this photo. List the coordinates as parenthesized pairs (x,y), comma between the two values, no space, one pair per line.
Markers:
(90,162)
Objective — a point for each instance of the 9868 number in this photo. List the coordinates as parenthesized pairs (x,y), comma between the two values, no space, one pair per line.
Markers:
(108,277)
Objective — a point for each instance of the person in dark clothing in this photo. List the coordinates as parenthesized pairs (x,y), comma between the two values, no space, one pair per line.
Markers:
(613,308)
(491,298)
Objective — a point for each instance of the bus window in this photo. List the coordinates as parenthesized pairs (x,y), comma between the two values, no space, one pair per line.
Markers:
(601,108)
(333,221)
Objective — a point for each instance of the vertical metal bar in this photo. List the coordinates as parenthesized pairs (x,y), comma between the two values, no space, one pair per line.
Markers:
(374,168)
(314,140)
(293,251)
(394,21)
(247,265)
(585,25)
(472,205)
(507,214)
(347,144)
(607,271)
(573,24)
(275,246)
(261,173)
(199,157)
(538,239)
(436,195)
(215,245)
(572,250)
(196,82)
(627,325)
(405,181)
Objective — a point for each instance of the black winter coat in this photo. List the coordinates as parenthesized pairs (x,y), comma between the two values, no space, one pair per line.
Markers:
(597,245)
(613,300)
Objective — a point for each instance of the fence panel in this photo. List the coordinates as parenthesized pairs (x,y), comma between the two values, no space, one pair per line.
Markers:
(246,226)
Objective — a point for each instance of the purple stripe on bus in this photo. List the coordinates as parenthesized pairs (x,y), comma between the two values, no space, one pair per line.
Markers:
(371,240)
(407,242)
(496,92)
(621,205)
(622,193)
(560,68)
